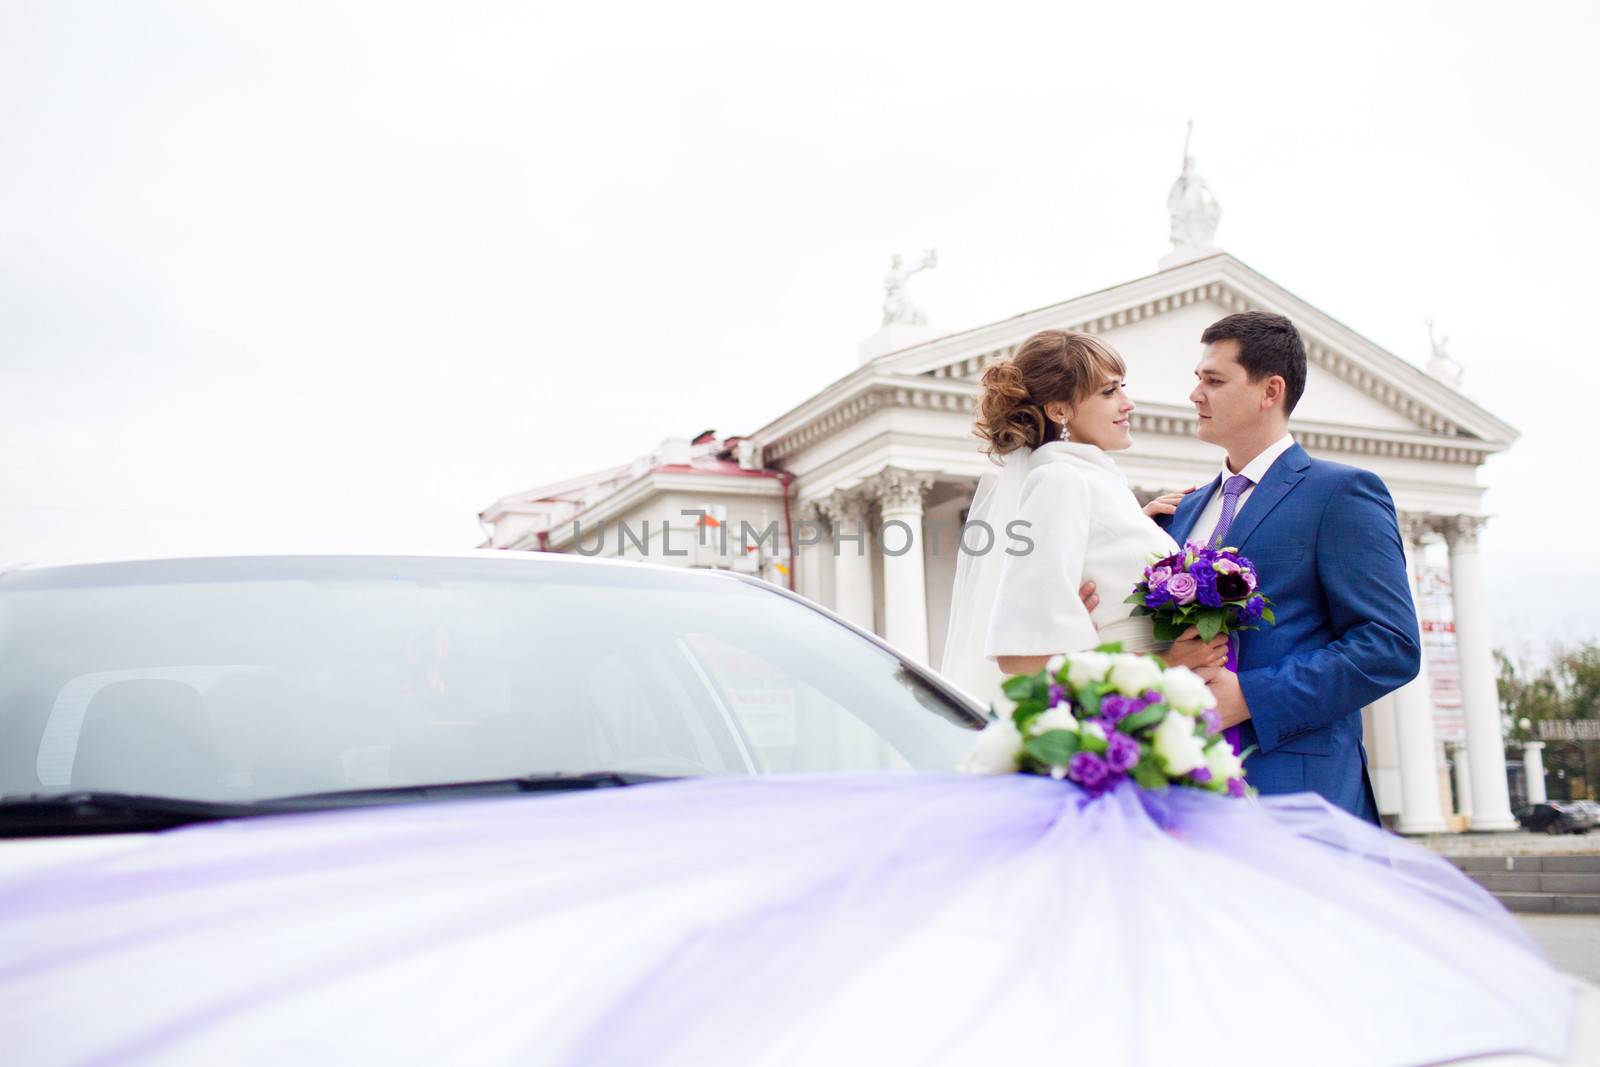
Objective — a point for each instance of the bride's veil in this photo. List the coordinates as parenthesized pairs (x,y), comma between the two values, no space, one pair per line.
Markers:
(978,578)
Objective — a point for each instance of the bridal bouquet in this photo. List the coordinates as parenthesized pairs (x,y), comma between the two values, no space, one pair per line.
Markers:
(1098,718)
(1211,589)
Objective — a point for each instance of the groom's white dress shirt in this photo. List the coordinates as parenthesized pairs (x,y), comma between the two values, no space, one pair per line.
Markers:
(1255,470)
(1085,525)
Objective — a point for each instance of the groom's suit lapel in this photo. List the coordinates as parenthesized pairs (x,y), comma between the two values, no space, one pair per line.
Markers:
(1284,474)
(1189,510)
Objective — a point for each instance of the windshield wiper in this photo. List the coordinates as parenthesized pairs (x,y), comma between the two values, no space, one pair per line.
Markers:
(407,794)
(94,812)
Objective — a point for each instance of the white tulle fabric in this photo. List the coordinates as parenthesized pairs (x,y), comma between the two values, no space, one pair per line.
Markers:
(910,919)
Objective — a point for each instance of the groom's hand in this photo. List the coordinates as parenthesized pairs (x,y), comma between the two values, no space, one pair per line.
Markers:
(1090,598)
(1224,685)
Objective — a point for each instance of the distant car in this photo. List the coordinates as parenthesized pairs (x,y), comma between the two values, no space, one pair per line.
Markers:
(1590,806)
(1557,817)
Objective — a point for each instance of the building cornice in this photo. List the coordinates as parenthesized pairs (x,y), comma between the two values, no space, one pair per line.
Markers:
(859,397)
(640,490)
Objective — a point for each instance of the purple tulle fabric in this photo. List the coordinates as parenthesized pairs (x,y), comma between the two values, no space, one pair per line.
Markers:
(884,919)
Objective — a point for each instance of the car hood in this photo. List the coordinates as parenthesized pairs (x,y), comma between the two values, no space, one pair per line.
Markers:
(874,919)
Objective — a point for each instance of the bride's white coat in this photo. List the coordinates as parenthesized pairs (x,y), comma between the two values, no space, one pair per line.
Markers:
(1084,524)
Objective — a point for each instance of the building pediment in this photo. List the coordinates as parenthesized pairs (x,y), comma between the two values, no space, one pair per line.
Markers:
(1352,380)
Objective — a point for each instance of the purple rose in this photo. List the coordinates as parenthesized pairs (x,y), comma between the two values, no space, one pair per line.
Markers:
(1122,752)
(1057,694)
(1236,787)
(1157,597)
(1226,566)
(1157,574)
(1183,588)
(1249,574)
(1088,770)
(1253,609)
(1200,774)
(1115,707)
(1212,720)
(1206,588)
(1150,696)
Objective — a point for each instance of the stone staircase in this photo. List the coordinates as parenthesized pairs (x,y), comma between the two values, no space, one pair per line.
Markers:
(1546,884)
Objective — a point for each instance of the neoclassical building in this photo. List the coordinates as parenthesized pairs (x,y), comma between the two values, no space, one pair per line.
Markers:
(855,496)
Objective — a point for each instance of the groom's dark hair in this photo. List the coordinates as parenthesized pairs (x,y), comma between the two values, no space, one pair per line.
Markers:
(1268,344)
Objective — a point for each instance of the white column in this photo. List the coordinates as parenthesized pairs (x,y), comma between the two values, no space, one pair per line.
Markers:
(1413,723)
(852,569)
(814,571)
(1463,769)
(905,584)
(1480,699)
(1533,767)
(1383,759)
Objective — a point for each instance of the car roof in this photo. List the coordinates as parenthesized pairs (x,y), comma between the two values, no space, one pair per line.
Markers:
(557,559)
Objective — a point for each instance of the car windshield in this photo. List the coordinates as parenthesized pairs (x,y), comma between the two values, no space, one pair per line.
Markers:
(248,679)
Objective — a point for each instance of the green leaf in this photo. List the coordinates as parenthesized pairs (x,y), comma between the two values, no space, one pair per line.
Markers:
(1134,597)
(1091,743)
(1020,687)
(1026,710)
(1089,698)
(1053,748)
(1139,720)
(1148,773)
(1168,628)
(1110,647)
(1266,613)
(1210,624)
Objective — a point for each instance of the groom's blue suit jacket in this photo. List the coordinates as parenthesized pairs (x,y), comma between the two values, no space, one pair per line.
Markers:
(1327,547)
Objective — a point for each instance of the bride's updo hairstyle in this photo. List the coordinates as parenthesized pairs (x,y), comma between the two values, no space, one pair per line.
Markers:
(1051,366)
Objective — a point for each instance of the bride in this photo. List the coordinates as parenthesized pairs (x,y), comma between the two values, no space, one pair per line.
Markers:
(1051,415)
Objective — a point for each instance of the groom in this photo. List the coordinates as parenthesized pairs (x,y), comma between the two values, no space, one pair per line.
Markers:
(1326,544)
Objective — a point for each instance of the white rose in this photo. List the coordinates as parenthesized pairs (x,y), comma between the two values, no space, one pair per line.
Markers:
(1054,664)
(1086,668)
(1057,718)
(1222,763)
(997,749)
(1176,746)
(1131,675)
(1186,691)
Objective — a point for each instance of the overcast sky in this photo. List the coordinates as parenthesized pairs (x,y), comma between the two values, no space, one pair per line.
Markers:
(338,275)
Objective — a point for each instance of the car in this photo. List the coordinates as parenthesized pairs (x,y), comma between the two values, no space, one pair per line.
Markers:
(1557,817)
(145,694)
(505,808)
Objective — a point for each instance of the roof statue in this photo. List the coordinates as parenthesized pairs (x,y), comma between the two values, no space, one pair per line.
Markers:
(1441,364)
(1193,212)
(897,308)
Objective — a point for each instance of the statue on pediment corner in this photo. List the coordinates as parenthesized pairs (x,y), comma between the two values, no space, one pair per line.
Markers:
(897,307)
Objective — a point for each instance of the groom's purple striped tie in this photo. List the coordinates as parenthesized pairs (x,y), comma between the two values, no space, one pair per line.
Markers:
(1231,490)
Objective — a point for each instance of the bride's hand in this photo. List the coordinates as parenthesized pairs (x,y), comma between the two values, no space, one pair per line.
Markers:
(1166,503)
(1189,651)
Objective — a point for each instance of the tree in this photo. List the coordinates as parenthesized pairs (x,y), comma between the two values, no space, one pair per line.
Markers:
(1567,687)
